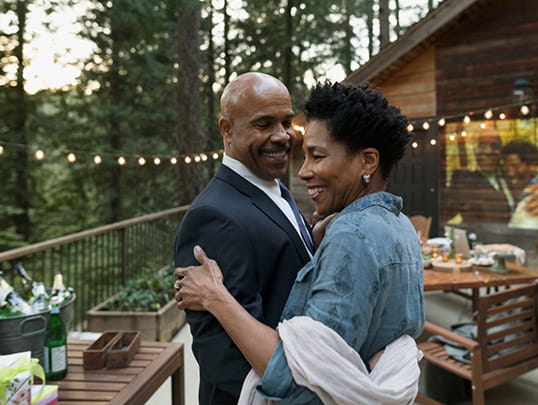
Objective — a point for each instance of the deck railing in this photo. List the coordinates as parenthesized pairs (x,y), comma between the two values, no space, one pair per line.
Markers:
(97,262)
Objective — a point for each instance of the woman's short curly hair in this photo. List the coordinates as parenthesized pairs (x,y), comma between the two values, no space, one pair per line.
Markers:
(360,117)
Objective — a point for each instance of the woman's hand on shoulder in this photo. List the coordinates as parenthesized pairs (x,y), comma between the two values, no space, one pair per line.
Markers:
(198,286)
(320,223)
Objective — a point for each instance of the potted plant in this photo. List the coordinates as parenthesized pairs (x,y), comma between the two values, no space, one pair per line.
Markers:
(146,305)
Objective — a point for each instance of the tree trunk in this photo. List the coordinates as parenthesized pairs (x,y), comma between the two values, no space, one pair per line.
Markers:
(227,56)
(22,191)
(114,135)
(384,26)
(398,27)
(287,74)
(370,25)
(189,134)
(348,32)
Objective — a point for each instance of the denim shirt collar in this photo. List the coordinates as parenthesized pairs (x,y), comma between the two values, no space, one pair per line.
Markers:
(389,201)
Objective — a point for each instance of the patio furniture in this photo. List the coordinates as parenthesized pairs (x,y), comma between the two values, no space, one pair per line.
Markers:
(153,363)
(475,279)
(505,347)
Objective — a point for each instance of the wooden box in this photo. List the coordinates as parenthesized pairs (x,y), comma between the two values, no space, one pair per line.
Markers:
(161,325)
(123,349)
(95,356)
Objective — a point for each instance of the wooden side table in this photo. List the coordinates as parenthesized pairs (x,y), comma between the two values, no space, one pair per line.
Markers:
(132,385)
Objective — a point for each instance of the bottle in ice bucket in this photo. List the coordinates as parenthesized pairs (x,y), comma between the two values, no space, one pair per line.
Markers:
(11,303)
(25,281)
(55,353)
(58,288)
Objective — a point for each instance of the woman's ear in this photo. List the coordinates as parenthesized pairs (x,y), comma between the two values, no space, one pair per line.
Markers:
(370,158)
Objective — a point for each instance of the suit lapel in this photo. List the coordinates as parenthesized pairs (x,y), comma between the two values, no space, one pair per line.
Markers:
(267,207)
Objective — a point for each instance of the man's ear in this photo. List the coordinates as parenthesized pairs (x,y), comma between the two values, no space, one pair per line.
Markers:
(225,127)
(370,158)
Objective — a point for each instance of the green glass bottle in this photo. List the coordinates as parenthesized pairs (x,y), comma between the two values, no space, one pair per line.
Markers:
(55,356)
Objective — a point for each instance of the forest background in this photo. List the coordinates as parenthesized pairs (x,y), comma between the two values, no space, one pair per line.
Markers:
(148,92)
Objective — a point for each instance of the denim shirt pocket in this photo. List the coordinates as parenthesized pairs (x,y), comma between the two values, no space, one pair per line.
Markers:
(296,303)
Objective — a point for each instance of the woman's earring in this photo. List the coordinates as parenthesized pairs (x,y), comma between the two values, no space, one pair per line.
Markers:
(366,178)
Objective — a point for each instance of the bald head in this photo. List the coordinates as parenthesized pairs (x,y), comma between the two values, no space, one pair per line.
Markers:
(255,124)
(245,86)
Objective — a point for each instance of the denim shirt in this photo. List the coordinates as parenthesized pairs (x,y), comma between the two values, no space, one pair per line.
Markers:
(365,282)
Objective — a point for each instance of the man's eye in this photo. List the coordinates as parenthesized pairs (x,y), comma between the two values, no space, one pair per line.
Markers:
(317,157)
(262,125)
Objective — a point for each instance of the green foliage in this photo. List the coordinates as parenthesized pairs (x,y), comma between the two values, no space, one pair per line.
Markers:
(144,295)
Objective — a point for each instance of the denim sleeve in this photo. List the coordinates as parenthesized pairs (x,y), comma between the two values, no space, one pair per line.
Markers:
(341,297)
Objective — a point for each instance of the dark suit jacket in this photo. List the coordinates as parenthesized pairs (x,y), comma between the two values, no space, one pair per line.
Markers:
(259,252)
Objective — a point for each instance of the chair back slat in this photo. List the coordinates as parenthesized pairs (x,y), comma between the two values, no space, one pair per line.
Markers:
(507,326)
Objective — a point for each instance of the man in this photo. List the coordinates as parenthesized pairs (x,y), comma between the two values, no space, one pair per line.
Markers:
(243,221)
(482,194)
(520,163)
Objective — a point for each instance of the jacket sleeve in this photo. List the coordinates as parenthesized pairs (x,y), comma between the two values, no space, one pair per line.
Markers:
(224,240)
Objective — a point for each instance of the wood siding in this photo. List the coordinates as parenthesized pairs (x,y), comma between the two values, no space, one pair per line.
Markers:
(413,88)
(478,63)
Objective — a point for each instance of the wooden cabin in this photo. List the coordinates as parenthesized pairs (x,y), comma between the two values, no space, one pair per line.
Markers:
(474,58)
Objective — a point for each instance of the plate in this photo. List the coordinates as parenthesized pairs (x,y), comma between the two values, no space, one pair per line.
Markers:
(482,261)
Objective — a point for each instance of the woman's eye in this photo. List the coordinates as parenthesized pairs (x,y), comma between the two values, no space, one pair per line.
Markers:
(317,157)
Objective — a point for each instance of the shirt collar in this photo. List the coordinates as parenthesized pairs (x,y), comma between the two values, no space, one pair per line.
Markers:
(390,201)
(238,167)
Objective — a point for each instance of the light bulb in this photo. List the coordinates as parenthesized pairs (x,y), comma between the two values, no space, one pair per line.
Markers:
(71,158)
(121,161)
(97,159)
(442,122)
(173,160)
(141,161)
(157,161)
(187,159)
(39,154)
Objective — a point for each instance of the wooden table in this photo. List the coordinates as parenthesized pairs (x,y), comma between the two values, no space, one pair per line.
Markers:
(476,278)
(132,385)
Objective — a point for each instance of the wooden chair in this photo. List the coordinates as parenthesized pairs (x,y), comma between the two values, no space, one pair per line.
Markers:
(506,344)
(422,225)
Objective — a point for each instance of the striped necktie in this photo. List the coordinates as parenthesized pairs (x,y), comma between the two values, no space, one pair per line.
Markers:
(302,226)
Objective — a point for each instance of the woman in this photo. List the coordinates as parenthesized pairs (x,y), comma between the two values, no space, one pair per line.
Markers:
(365,280)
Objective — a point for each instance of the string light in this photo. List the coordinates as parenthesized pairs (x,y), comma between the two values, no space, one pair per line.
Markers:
(410,128)
(39,154)
(173,160)
(1,149)
(426,125)
(215,155)
(488,114)
(414,145)
(466,119)
(483,125)
(187,159)
(97,159)
(203,156)
(157,161)
(141,161)
(433,142)
(502,116)
(197,158)
(441,122)
(464,133)
(71,157)
(525,110)
(452,137)
(121,161)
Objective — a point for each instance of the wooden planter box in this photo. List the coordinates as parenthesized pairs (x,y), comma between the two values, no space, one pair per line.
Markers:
(161,325)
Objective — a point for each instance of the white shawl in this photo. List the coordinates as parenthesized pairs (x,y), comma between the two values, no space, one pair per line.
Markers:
(322,361)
